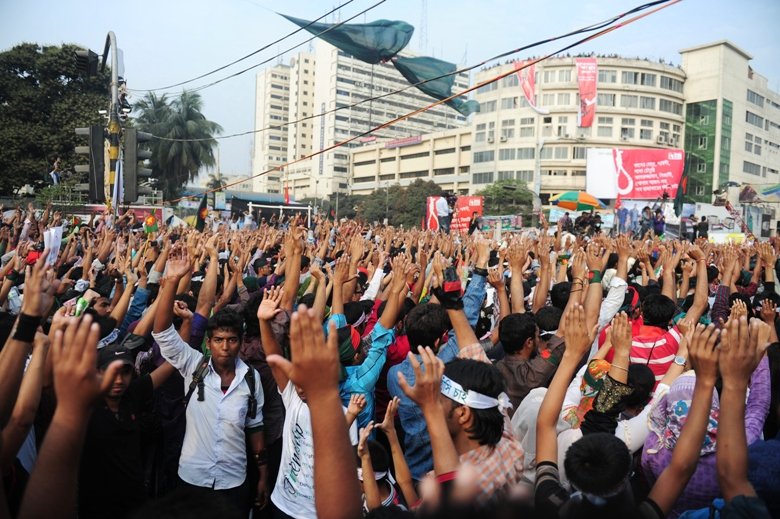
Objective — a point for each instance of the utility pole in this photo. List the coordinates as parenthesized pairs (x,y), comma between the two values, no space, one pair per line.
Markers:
(113,113)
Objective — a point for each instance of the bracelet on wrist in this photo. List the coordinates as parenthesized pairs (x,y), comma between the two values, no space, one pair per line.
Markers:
(26,326)
(595,276)
(480,271)
(620,367)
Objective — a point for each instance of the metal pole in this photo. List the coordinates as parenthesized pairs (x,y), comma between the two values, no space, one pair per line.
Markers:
(113,117)
(387,202)
(337,205)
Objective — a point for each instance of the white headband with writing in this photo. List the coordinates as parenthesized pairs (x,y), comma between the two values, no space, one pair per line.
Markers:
(455,391)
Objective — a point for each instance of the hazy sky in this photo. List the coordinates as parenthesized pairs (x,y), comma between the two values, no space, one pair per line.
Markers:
(168,41)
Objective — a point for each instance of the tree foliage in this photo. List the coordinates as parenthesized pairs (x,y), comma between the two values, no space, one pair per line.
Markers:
(176,162)
(43,98)
(507,197)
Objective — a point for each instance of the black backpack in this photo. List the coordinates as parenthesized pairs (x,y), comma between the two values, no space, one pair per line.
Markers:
(200,374)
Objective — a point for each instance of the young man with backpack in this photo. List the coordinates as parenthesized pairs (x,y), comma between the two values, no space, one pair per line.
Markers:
(223,403)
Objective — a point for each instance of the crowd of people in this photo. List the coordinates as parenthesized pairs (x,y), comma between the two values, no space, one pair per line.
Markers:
(339,369)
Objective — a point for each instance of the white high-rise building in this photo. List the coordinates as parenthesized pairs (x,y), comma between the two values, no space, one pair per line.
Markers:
(329,80)
(272,101)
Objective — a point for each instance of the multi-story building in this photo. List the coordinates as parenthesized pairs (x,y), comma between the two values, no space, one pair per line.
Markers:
(732,127)
(272,100)
(639,105)
(329,80)
(442,157)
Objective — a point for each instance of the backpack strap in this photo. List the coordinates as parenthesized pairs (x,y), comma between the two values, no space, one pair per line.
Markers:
(250,380)
(197,381)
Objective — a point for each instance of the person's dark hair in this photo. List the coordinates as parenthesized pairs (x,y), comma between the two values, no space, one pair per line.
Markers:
(403,311)
(425,324)
(225,319)
(548,318)
(712,273)
(353,310)
(251,322)
(107,323)
(305,262)
(488,424)
(703,218)
(597,463)
(658,310)
(514,330)
(307,299)
(380,461)
(612,261)
(688,303)
(642,380)
(559,294)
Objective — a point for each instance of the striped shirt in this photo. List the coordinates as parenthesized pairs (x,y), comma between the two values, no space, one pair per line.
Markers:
(652,346)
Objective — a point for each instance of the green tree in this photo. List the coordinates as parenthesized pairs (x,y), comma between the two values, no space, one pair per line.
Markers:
(400,205)
(43,98)
(185,140)
(507,197)
(215,181)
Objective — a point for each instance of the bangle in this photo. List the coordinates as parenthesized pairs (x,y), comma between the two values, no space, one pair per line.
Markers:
(26,326)
(595,276)
(578,290)
(620,367)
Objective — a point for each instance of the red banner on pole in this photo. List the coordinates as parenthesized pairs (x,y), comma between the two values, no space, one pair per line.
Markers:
(587,77)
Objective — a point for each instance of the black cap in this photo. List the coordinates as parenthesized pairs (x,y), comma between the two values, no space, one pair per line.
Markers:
(114,352)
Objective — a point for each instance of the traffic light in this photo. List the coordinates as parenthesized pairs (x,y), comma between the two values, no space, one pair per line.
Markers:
(86,62)
(132,174)
(96,168)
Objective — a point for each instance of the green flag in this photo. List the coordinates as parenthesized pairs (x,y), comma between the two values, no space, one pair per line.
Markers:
(424,68)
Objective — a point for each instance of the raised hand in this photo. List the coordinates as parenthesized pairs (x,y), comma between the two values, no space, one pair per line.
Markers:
(41,285)
(740,351)
(357,403)
(703,354)
(621,333)
(77,381)
(362,448)
(178,264)
(768,311)
(269,306)
(578,337)
(427,386)
(181,310)
(495,279)
(315,365)
(388,424)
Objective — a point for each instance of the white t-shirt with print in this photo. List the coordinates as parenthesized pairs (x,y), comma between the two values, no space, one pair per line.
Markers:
(293,492)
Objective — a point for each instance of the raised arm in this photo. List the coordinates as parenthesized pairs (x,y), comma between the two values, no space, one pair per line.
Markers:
(293,252)
(702,287)
(268,309)
(674,478)
(208,289)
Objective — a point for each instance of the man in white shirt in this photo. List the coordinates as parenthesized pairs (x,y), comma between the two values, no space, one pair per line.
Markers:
(444,214)
(224,413)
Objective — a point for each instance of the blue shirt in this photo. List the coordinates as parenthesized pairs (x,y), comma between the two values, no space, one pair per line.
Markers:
(362,379)
(416,440)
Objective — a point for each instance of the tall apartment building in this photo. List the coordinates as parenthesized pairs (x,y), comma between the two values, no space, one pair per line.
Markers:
(732,127)
(272,103)
(331,80)
(639,105)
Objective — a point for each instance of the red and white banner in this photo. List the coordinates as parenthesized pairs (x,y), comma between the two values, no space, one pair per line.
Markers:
(527,78)
(638,174)
(465,206)
(587,77)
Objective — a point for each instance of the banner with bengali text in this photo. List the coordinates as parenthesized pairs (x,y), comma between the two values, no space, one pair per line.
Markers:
(587,77)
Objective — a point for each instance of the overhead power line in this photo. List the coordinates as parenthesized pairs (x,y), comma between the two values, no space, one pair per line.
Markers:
(261,49)
(659,5)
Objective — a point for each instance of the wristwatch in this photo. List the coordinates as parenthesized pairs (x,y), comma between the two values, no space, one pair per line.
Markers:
(680,361)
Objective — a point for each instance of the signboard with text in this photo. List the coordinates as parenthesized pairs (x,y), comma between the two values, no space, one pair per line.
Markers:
(465,206)
(639,174)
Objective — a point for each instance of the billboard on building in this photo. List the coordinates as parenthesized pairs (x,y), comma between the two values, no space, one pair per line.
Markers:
(587,77)
(639,174)
(465,206)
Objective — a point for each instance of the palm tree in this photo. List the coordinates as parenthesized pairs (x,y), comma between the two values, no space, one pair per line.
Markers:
(216,181)
(187,138)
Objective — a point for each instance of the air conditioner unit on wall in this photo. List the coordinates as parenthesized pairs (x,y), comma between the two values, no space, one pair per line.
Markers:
(661,139)
(503,138)
(491,139)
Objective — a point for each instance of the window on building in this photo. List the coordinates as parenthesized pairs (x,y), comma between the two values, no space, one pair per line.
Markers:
(508,103)
(465,148)
(648,79)
(444,171)
(561,152)
(526,131)
(578,172)
(481,127)
(604,131)
(754,98)
(548,99)
(606,100)
(580,152)
(546,153)
(479,137)
(702,142)
(701,167)
(525,153)
(487,107)
(670,83)
(628,121)
(754,119)
(629,101)
(508,133)
(626,133)
(564,99)
(549,76)
(507,122)
(506,175)
(416,155)
(487,88)
(564,76)
(646,123)
(482,178)
(666,105)
(630,78)
(751,168)
(607,76)
(445,151)
(506,154)
(511,80)
(645,134)
(525,175)
(484,156)
(647,103)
